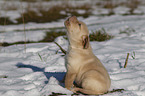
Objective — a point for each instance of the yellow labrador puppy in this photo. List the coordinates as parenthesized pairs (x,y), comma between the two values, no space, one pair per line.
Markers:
(83,66)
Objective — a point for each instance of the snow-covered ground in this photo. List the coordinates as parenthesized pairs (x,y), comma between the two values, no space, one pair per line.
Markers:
(39,71)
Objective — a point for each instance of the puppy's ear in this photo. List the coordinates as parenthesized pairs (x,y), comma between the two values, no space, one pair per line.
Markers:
(85,41)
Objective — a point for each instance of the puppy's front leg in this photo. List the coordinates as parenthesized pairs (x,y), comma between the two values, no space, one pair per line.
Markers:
(69,79)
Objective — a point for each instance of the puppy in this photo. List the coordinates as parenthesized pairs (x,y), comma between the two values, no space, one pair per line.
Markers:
(83,66)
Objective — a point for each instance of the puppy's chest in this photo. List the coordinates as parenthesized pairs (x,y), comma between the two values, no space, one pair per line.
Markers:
(76,60)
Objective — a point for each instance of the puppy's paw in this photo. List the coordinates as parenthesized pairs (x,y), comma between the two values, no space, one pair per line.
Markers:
(69,88)
(75,90)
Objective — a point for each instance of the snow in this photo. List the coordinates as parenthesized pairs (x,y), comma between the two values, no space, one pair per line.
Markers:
(39,69)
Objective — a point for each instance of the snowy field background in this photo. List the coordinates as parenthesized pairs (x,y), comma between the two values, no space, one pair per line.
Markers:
(39,71)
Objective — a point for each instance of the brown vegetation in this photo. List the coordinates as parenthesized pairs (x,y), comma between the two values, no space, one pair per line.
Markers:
(54,13)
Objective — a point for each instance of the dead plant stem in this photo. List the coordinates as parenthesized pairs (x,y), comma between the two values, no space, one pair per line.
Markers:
(126,61)
(23,19)
(62,50)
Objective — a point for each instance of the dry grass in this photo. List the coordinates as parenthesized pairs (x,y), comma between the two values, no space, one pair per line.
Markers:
(51,36)
(5,44)
(33,0)
(100,35)
(42,14)
(73,10)
(54,13)
(29,0)
(111,5)
(133,4)
(5,21)
(108,4)
(116,90)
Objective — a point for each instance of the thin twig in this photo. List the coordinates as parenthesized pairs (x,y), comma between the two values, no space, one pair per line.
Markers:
(22,14)
(5,14)
(5,19)
(115,90)
(62,50)
(126,61)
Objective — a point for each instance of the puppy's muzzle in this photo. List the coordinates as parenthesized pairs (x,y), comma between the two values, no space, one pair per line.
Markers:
(70,20)
(73,19)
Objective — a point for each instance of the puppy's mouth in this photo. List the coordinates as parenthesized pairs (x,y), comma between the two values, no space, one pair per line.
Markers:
(67,22)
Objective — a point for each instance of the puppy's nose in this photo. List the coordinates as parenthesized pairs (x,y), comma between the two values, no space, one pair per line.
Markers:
(73,18)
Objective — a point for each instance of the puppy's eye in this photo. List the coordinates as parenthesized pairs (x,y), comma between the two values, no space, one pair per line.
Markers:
(80,25)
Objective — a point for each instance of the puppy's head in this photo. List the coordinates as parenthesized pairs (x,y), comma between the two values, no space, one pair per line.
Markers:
(77,32)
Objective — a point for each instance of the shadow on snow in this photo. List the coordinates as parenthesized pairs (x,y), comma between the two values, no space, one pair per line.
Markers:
(58,75)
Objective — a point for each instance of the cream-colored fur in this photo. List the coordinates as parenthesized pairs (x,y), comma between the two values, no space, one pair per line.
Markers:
(83,66)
